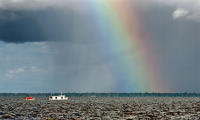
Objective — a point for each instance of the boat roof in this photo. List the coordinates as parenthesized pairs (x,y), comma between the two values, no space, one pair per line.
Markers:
(57,95)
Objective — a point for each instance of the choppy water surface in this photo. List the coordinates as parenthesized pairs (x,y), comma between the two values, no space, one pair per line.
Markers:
(101,108)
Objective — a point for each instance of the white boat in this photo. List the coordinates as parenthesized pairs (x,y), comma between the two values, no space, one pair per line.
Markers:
(59,97)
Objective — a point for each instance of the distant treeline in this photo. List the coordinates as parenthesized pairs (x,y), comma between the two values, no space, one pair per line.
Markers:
(102,94)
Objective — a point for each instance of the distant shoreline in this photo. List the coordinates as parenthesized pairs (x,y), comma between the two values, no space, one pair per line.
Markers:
(103,94)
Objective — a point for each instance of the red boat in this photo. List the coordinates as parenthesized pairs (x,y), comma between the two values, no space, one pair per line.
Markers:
(29,98)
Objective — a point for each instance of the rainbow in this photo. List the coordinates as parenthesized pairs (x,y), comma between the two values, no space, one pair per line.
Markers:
(128,45)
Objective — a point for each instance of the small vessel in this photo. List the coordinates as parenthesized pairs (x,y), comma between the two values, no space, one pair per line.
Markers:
(29,98)
(59,97)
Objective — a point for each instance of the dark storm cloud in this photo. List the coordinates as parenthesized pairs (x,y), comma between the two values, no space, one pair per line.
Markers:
(17,26)
(23,28)
(177,45)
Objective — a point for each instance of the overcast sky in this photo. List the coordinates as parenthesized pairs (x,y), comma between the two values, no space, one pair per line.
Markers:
(51,46)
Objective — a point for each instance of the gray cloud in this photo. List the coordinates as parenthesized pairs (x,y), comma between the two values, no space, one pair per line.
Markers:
(179,13)
(192,7)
